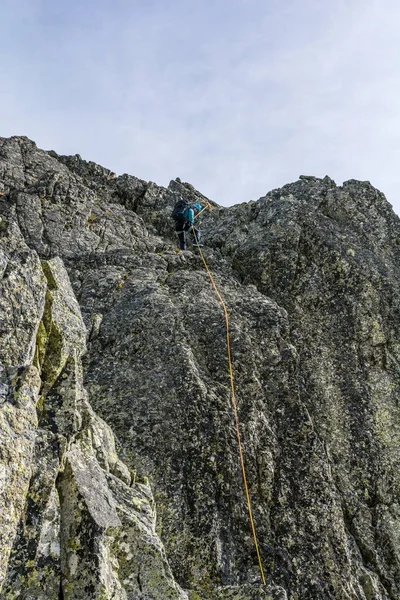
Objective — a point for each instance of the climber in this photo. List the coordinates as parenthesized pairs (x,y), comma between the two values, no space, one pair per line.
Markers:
(184,214)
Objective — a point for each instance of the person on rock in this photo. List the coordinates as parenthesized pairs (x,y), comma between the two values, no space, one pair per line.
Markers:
(184,214)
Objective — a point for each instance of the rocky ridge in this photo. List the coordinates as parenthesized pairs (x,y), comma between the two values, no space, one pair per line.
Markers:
(106,330)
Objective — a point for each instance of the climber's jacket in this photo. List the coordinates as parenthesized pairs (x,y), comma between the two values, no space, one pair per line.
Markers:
(188,215)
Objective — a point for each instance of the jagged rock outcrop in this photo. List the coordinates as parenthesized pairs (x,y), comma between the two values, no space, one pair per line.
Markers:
(100,313)
(73,523)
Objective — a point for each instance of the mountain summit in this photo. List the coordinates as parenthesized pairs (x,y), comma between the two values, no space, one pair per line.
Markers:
(119,465)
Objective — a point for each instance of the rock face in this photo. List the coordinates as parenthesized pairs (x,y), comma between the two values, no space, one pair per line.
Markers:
(105,329)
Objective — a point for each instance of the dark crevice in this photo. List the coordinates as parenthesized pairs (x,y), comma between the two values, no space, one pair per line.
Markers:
(130,200)
(139,583)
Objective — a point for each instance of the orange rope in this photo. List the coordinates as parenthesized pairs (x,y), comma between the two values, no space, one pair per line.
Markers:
(228,343)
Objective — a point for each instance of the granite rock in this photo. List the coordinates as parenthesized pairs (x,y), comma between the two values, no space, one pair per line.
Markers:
(107,330)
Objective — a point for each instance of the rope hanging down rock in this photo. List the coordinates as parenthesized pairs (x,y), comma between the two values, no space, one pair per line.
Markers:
(234,404)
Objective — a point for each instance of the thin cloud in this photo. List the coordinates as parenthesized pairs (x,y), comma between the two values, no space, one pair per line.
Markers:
(236,97)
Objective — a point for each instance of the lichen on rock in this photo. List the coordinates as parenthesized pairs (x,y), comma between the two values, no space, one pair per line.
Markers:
(119,468)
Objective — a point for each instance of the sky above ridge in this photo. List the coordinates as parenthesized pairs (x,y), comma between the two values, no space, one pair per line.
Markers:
(236,97)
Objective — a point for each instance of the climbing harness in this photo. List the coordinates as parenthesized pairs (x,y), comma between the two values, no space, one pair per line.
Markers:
(233,396)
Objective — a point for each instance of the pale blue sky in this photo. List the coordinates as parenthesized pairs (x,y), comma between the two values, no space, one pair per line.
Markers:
(235,96)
